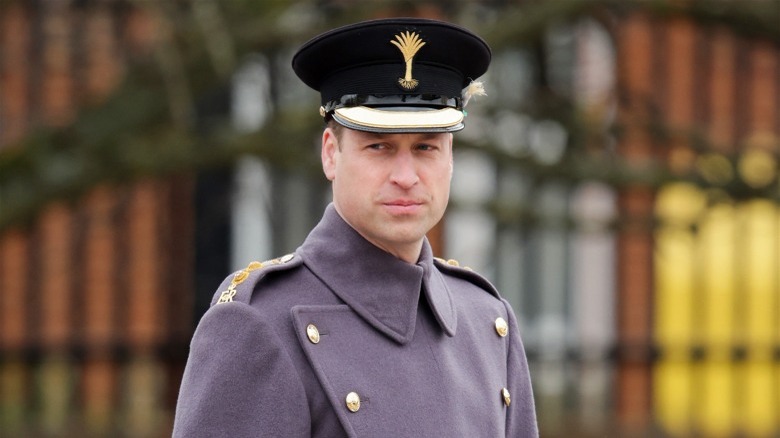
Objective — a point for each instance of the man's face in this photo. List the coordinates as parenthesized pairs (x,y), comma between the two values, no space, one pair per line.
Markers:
(391,188)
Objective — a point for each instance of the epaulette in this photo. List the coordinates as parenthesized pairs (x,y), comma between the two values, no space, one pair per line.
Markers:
(453,267)
(243,282)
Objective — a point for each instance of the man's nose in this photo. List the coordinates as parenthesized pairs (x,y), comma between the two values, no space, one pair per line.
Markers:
(404,172)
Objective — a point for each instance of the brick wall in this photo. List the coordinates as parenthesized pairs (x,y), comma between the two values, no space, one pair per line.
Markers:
(96,293)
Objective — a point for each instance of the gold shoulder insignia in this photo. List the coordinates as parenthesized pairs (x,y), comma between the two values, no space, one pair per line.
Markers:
(451,262)
(240,276)
(452,267)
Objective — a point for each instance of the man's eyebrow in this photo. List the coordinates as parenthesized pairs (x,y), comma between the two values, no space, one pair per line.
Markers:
(429,135)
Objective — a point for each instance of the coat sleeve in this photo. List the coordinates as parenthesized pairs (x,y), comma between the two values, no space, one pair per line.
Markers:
(521,415)
(239,380)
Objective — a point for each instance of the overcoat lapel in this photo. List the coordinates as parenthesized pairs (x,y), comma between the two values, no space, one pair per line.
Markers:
(382,289)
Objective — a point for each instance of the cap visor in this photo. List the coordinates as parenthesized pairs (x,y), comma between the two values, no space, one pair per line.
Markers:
(398,119)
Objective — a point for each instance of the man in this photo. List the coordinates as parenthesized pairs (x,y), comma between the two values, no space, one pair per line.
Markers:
(362,332)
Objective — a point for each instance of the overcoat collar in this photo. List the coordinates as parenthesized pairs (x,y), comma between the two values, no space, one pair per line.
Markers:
(382,289)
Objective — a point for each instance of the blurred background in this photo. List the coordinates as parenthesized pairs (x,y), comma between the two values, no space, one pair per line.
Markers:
(618,184)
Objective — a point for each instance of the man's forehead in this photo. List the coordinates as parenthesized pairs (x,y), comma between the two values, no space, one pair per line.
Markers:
(418,136)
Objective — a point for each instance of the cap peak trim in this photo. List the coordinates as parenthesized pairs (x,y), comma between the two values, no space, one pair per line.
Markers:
(433,120)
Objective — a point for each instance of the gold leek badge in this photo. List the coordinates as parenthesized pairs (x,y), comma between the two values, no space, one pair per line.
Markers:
(409,43)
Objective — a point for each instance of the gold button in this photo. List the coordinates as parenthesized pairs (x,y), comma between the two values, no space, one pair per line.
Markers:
(453,262)
(287,258)
(254,266)
(502,328)
(353,402)
(240,277)
(505,395)
(313,333)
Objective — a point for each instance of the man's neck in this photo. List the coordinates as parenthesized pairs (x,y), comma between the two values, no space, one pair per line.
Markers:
(409,253)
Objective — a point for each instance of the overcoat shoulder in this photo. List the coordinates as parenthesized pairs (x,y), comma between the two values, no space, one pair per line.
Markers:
(221,394)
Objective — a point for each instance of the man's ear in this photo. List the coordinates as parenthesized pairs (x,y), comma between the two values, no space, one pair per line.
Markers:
(330,145)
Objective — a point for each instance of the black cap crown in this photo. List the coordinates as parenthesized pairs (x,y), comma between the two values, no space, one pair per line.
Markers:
(393,75)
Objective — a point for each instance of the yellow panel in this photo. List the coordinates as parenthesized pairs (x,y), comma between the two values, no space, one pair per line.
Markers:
(714,410)
(759,219)
(677,207)
(776,373)
(734,260)
(776,364)
(715,407)
(757,416)
(672,396)
(760,278)
(674,287)
(718,239)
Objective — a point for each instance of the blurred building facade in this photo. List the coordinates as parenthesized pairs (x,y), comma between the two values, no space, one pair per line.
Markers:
(640,251)
(95,293)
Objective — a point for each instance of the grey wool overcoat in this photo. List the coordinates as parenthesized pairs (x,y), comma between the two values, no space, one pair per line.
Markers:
(341,339)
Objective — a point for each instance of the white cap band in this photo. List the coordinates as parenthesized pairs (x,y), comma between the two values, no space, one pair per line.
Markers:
(405,119)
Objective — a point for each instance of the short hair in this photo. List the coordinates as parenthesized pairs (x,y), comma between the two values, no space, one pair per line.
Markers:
(336,127)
